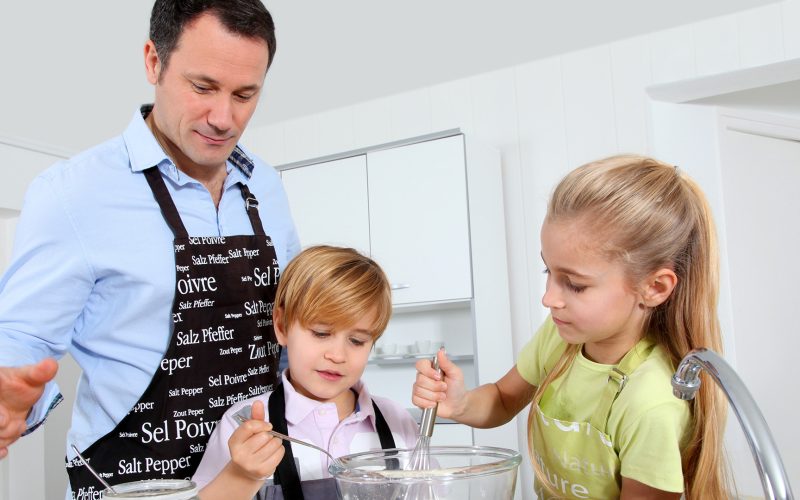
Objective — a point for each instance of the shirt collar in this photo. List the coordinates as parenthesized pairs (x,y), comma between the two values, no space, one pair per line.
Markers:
(298,407)
(145,152)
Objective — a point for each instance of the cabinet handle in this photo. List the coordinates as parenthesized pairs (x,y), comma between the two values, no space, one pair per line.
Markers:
(400,286)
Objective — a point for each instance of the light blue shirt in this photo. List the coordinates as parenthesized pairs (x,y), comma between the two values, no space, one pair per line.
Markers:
(93,272)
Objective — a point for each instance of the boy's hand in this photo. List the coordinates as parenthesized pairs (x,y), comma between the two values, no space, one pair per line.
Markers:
(446,389)
(255,454)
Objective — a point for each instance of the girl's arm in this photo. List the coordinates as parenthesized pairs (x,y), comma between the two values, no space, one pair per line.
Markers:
(489,405)
(634,490)
(255,455)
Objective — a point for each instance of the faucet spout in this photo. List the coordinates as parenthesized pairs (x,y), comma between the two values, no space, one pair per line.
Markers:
(686,382)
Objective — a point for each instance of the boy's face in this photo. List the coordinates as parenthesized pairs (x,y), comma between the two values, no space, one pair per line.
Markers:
(325,362)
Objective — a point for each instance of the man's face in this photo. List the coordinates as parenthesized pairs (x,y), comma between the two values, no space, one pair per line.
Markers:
(206,95)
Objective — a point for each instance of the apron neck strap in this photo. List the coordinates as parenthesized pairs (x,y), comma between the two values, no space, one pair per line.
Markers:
(617,378)
(161,194)
(251,205)
(286,474)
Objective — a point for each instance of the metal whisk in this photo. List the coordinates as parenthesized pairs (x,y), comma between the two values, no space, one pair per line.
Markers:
(420,457)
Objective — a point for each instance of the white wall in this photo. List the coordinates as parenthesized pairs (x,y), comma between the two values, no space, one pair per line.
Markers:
(20,162)
(550,115)
(25,457)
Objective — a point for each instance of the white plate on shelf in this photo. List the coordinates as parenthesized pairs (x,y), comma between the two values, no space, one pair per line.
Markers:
(389,356)
(424,355)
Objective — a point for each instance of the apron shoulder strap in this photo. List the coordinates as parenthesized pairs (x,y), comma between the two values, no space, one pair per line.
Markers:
(617,378)
(286,474)
(384,433)
(164,200)
(251,205)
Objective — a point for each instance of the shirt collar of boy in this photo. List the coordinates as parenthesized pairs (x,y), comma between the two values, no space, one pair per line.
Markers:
(300,407)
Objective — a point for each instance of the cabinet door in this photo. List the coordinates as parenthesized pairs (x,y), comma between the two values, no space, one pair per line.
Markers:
(419,230)
(329,202)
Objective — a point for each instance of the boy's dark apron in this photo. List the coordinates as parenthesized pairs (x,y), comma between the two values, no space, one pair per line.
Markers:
(287,484)
(222,350)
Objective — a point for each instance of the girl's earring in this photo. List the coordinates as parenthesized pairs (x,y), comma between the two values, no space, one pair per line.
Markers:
(641,305)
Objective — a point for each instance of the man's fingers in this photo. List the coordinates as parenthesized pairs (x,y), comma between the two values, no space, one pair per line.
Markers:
(40,373)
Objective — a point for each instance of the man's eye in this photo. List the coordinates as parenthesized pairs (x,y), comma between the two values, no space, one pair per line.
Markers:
(200,89)
(244,98)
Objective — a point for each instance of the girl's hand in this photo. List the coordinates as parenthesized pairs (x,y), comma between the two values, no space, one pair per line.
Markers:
(255,454)
(446,389)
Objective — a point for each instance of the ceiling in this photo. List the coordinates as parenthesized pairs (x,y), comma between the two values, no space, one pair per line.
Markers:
(74,76)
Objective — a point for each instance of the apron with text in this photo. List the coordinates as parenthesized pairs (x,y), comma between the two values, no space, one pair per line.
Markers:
(579,460)
(287,484)
(222,350)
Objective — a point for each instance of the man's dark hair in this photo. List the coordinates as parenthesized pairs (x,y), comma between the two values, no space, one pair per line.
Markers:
(248,18)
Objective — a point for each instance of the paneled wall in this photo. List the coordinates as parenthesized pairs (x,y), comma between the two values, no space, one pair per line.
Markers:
(550,115)
(35,466)
(20,162)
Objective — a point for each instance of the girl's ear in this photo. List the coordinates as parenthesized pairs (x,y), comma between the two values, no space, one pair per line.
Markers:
(277,323)
(658,287)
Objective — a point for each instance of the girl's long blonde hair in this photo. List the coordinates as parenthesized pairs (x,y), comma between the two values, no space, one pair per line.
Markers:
(648,215)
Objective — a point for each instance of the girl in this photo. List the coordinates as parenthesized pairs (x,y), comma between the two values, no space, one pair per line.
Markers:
(630,255)
(332,304)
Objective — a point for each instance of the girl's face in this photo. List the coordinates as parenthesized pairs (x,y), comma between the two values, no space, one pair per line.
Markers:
(324,363)
(589,297)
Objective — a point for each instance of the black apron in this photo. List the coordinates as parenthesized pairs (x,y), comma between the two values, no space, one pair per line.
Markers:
(222,350)
(287,484)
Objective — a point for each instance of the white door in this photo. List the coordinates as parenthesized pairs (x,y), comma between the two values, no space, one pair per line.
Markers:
(419,226)
(329,202)
(23,471)
(760,166)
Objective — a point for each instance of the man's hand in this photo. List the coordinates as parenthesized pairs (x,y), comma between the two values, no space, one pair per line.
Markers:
(20,388)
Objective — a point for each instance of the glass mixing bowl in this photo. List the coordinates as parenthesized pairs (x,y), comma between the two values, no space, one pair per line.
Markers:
(456,472)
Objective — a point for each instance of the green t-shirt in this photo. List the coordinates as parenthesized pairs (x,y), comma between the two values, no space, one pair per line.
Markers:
(648,425)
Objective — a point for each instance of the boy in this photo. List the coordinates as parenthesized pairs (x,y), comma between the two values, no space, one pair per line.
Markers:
(332,304)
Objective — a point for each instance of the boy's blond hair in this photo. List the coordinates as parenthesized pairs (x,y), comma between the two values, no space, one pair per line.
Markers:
(335,286)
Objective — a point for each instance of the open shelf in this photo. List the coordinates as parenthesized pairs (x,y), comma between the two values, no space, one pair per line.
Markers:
(410,359)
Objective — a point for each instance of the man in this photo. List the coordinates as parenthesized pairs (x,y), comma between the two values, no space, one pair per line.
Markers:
(153,259)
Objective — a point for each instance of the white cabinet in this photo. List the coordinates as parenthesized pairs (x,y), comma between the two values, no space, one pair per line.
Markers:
(329,202)
(429,210)
(405,206)
(419,229)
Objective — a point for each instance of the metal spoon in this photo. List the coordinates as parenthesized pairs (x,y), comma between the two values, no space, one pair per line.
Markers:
(108,486)
(244,415)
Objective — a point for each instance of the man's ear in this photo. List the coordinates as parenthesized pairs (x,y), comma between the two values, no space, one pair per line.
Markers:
(152,63)
(277,323)
(658,286)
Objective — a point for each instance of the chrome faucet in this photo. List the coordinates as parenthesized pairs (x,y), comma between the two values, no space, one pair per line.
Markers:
(685,383)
